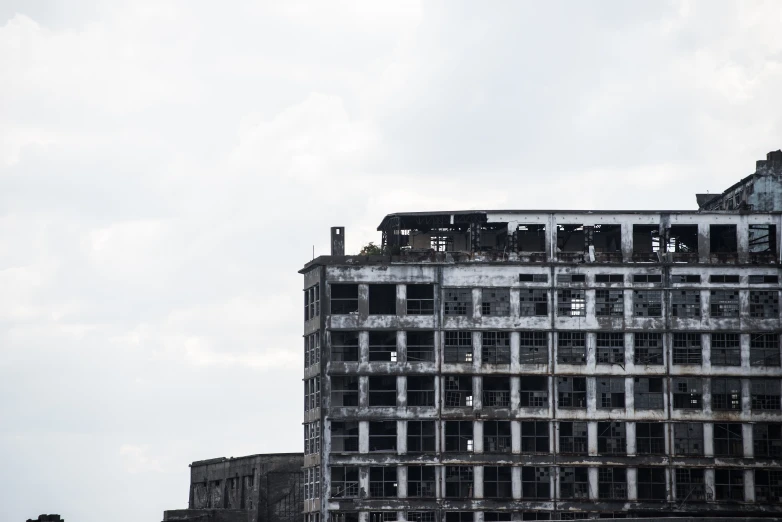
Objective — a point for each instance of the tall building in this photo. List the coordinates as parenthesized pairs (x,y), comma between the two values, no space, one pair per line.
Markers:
(546,365)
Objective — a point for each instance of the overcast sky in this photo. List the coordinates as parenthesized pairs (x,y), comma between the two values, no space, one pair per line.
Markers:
(167,166)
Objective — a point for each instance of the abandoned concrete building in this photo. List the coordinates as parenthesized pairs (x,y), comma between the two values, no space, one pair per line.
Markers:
(547,365)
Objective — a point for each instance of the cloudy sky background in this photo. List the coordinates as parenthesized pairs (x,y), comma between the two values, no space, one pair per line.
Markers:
(166,166)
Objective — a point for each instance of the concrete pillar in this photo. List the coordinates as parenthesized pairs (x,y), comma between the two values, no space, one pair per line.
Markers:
(401,299)
(744,340)
(401,437)
(363,347)
(363,391)
(747,439)
(629,398)
(708,483)
(363,480)
(708,439)
(401,481)
(515,437)
(706,395)
(706,352)
(593,480)
(477,393)
(477,475)
(591,396)
(704,247)
(746,396)
(742,239)
(515,399)
(515,302)
(477,436)
(363,436)
(632,483)
(589,296)
(477,299)
(591,360)
(477,341)
(629,352)
(592,438)
(627,242)
(401,346)
(630,438)
(363,301)
(749,485)
(515,342)
(401,391)
(516,485)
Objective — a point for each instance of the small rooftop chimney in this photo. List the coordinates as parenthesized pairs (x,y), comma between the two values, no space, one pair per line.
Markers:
(337,241)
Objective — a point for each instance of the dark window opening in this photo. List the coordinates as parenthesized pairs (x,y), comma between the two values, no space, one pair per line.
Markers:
(683,239)
(648,393)
(420,299)
(420,390)
(420,346)
(571,303)
(571,392)
(609,303)
(534,437)
(764,304)
(382,346)
(610,392)
(647,278)
(458,301)
(458,391)
(382,484)
(533,348)
(607,238)
(382,390)
(612,483)
(571,348)
(421,436)
(312,302)
(573,438)
(421,482)
(570,238)
(344,299)
(344,482)
(458,347)
(647,303)
(611,438)
(459,436)
(687,439)
(763,279)
(382,435)
(686,303)
(726,394)
(495,348)
(382,299)
(648,348)
(496,392)
(722,239)
(574,482)
(496,437)
(497,482)
(767,440)
(344,436)
(765,394)
(687,348)
(690,485)
(610,348)
(459,483)
(687,393)
(651,484)
(725,349)
(534,302)
(535,482)
(768,485)
(344,391)
(533,391)
(531,238)
(723,278)
(729,485)
(646,239)
(762,239)
(685,278)
(609,278)
(764,349)
(344,346)
(495,301)
(724,303)
(650,438)
(533,278)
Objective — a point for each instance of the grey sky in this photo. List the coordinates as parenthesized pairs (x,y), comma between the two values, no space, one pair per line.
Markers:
(166,166)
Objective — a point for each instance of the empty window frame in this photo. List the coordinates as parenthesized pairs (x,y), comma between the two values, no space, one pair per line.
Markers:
(762,238)
(682,239)
(311,393)
(421,436)
(422,516)
(571,348)
(728,440)
(344,346)
(382,435)
(496,392)
(382,516)
(650,438)
(612,483)
(610,348)
(495,301)
(724,278)
(610,392)
(534,437)
(729,485)
(767,440)
(534,302)
(533,348)
(497,482)
(764,349)
(690,485)
(571,303)
(535,482)
(646,239)
(687,393)
(420,346)
(495,348)
(457,301)
(344,482)
(458,391)
(382,482)
(765,394)
(574,483)
(607,238)
(459,436)
(726,393)
(382,299)
(611,438)
(648,348)
(685,278)
(647,278)
(496,437)
(344,391)
(724,303)
(722,239)
(420,299)
(764,304)
(768,485)
(651,483)
(687,348)
(571,392)
(312,302)
(533,391)
(647,303)
(421,482)
(609,278)
(609,303)
(531,238)
(688,438)
(441,242)
(420,390)
(382,346)
(337,516)
(686,303)
(382,390)
(459,516)
(497,516)
(311,349)
(763,279)
(458,482)
(458,347)
(533,278)
(311,484)
(573,438)
(312,438)
(344,299)
(344,436)
(571,278)
(570,238)
(648,393)
(725,349)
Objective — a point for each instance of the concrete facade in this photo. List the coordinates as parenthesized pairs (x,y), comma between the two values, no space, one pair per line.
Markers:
(760,191)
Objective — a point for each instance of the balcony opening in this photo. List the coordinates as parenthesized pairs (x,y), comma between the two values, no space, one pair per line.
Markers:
(682,243)
(646,243)
(607,240)
(531,238)
(723,241)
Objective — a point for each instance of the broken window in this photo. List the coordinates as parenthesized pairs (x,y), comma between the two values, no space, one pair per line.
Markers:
(610,392)
(496,437)
(762,238)
(647,278)
(687,348)
(763,279)
(729,484)
(495,301)
(571,303)
(647,303)
(459,436)
(571,278)
(420,299)
(382,390)
(646,241)
(570,238)
(344,299)
(311,393)
(768,485)
(312,438)
(421,436)
(420,482)
(497,482)
(726,394)
(724,303)
(723,239)
(344,436)
(311,349)
(651,484)
(382,299)
(612,483)
(648,393)
(533,348)
(764,349)
(534,302)
(344,481)
(725,349)
(458,301)
(767,440)
(765,394)
(686,303)
(420,390)
(687,393)
(607,238)
(573,437)
(650,438)
(458,482)
(382,482)
(648,348)
(533,391)
(420,345)
(683,239)
(495,347)
(531,238)
(344,391)
(609,303)
(312,302)
(571,392)
(458,391)
(382,346)
(534,437)
(688,438)
(344,346)
(496,392)
(610,348)
(458,347)
(571,348)
(690,485)
(724,278)
(382,435)
(311,485)
(574,482)
(685,278)
(535,482)
(764,304)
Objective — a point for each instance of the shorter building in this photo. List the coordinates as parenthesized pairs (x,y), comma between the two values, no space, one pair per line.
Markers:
(256,488)
(46,518)
(761,191)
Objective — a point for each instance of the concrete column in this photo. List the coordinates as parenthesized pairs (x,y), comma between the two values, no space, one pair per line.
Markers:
(515,399)
(477,436)
(708,439)
(401,346)
(477,341)
(627,243)
(629,397)
(477,299)
(747,438)
(363,347)
(629,352)
(632,483)
(363,436)
(363,391)
(593,481)
(401,481)
(515,302)
(515,341)
(363,479)
(746,396)
(591,396)
(705,302)
(515,437)
(516,485)
(592,438)
(401,391)
(742,239)
(668,483)
(363,301)
(477,393)
(744,340)
(401,299)
(630,438)
(591,360)
(744,302)
(628,302)
(401,437)
(704,246)
(706,352)
(589,296)
(477,475)
(706,395)
(749,485)
(708,483)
